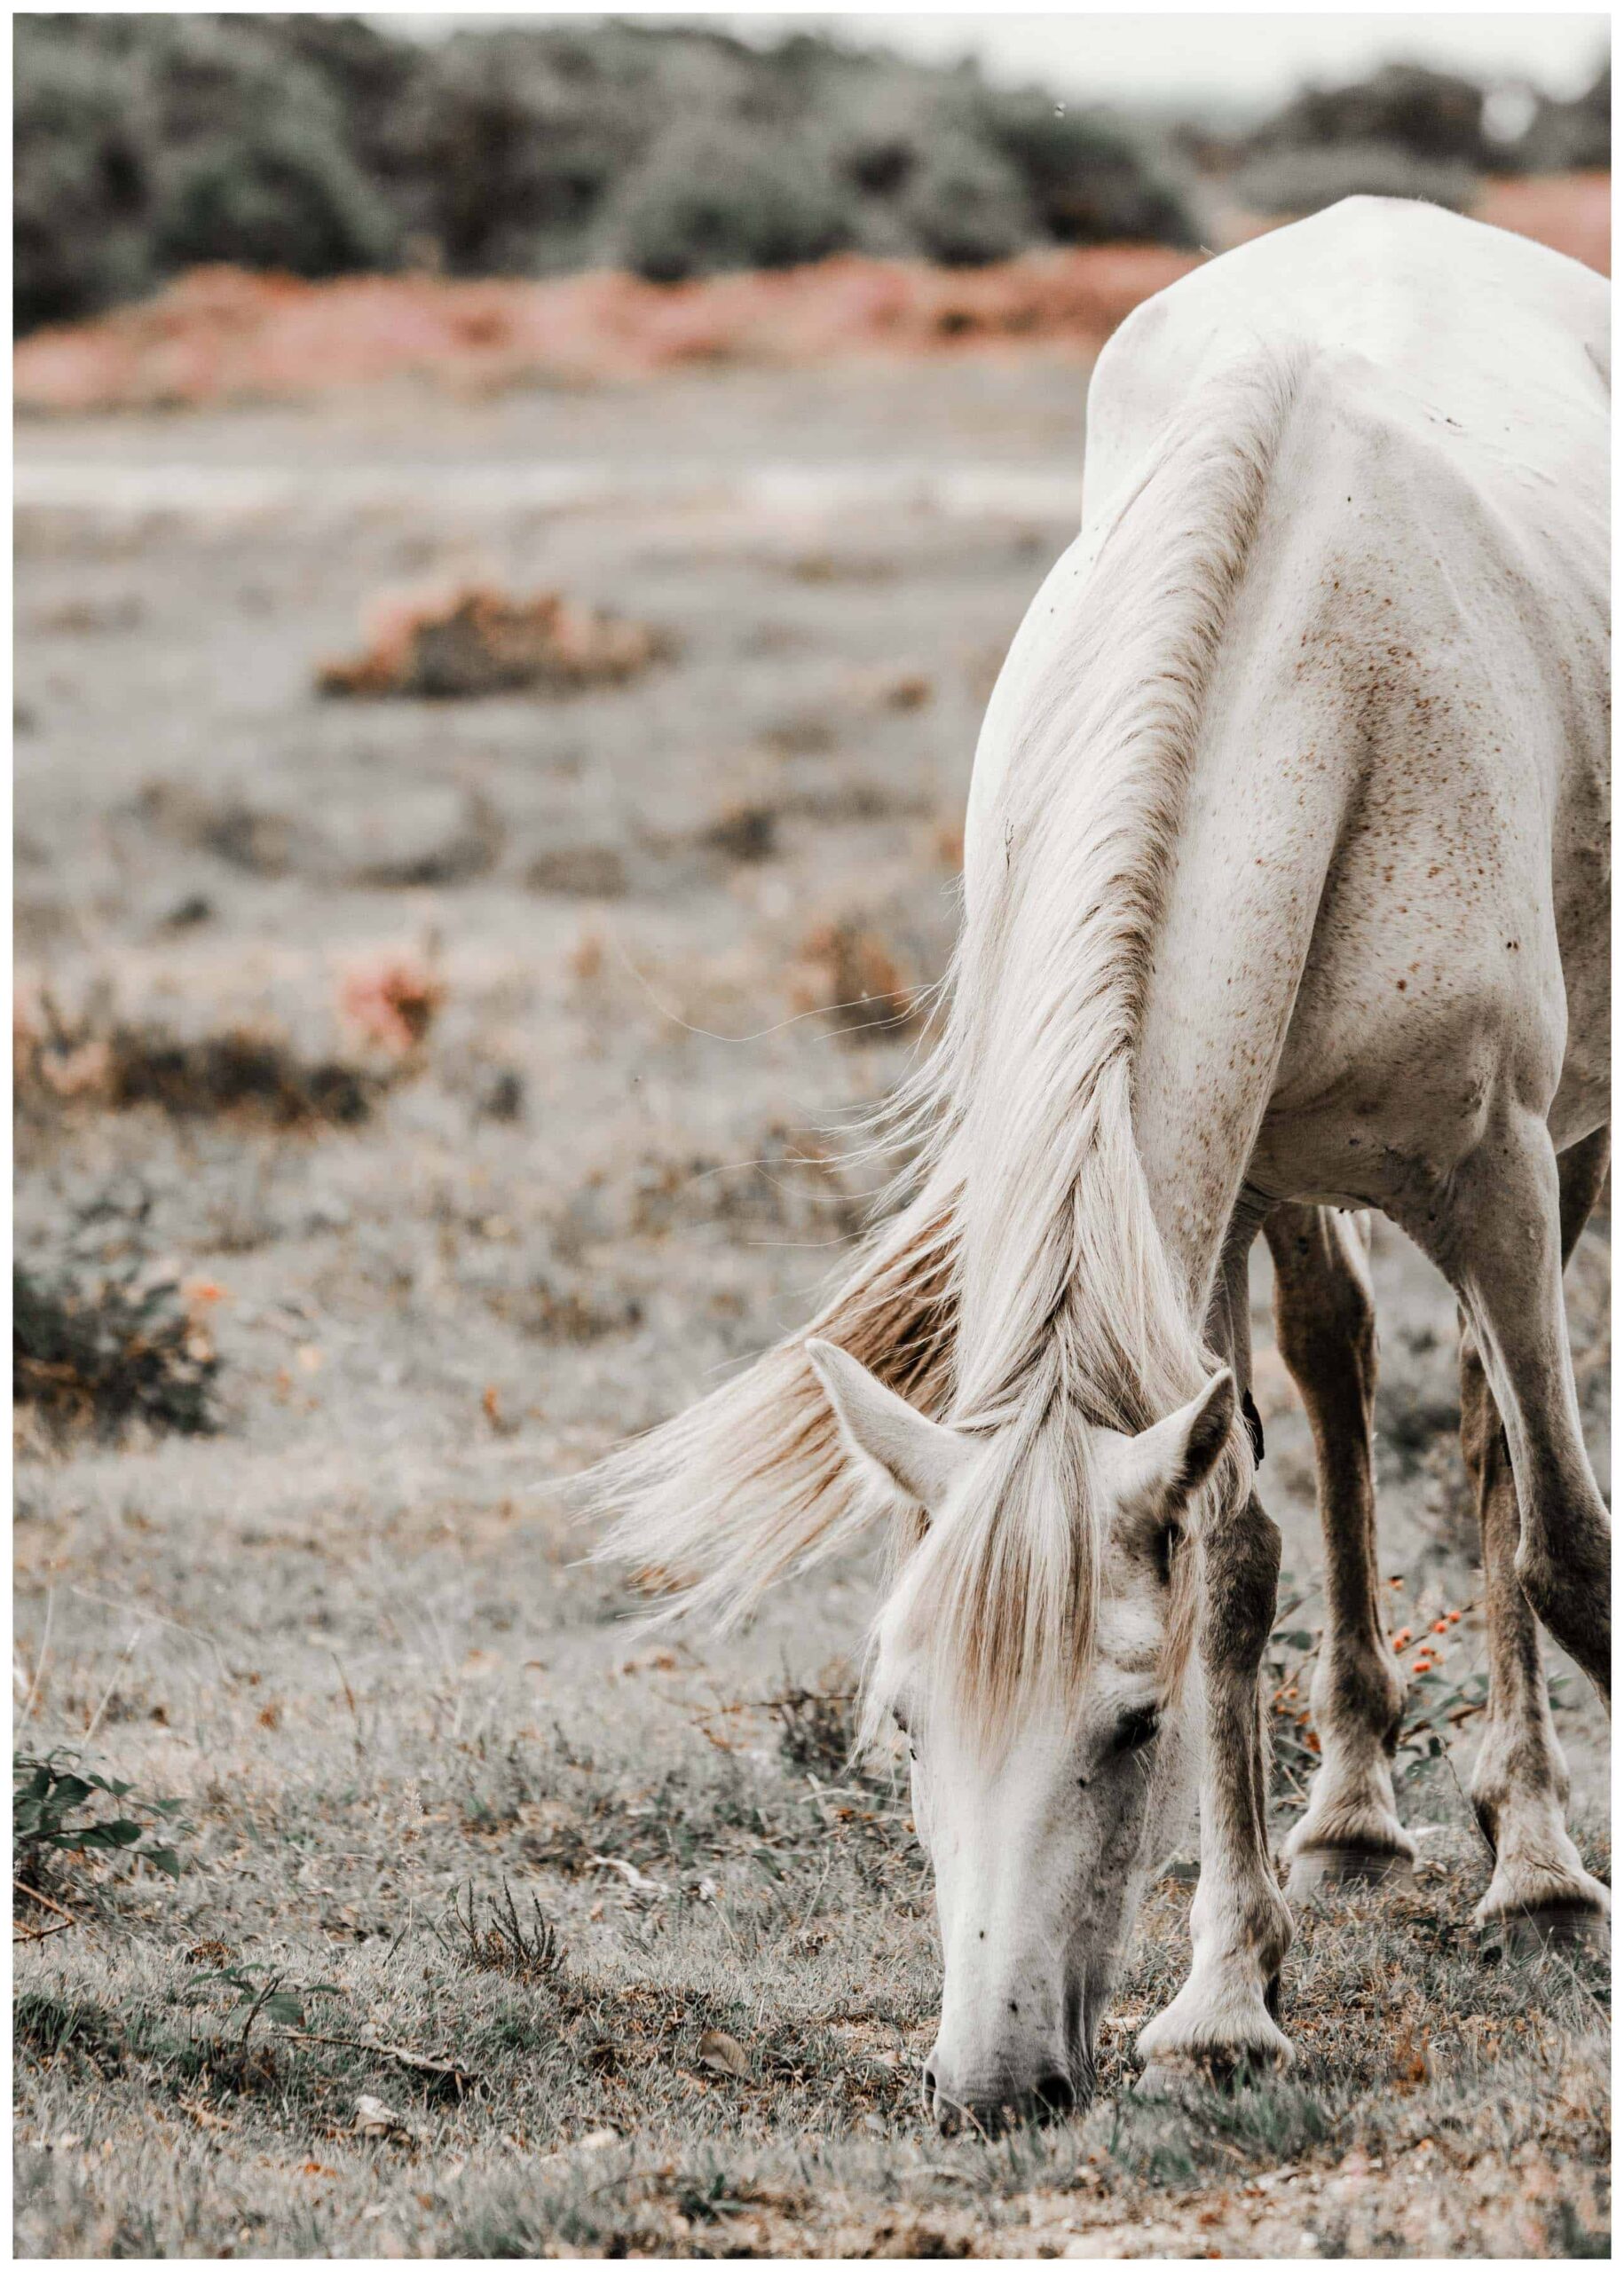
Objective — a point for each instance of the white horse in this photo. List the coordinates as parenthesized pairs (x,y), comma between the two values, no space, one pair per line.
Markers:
(1286,893)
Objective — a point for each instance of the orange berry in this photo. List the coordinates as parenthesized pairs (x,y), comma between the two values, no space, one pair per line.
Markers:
(1440,1625)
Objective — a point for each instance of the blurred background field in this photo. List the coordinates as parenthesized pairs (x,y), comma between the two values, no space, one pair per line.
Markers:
(635,153)
(497,670)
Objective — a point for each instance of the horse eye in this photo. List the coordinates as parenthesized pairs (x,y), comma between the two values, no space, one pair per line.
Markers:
(1164,1549)
(1135,1730)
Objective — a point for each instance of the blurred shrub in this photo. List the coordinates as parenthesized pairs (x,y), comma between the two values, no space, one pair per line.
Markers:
(1300,181)
(1563,137)
(1088,176)
(964,204)
(321,144)
(725,195)
(80,159)
(515,140)
(287,198)
(1431,116)
(105,1354)
(145,142)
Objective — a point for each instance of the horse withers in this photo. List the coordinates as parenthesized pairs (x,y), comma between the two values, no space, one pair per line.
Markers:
(1286,899)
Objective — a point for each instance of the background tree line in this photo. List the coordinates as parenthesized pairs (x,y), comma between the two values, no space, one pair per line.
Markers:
(323,144)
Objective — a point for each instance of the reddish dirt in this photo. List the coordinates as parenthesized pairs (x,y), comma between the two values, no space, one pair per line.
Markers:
(1572,213)
(222,335)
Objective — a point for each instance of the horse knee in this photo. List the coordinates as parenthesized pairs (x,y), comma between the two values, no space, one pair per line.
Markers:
(1323,1307)
(1241,1560)
(1360,1687)
(1325,1322)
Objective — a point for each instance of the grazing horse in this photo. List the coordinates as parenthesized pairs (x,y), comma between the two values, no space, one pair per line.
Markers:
(1286,896)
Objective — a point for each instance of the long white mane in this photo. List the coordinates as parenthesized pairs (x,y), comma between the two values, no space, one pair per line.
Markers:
(1023,1284)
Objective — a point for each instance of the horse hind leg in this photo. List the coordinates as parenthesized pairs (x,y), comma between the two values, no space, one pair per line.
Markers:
(1540,1891)
(1325,1324)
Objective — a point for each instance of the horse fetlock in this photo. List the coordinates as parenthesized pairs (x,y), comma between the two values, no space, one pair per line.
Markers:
(1521,1784)
(1218,2027)
(1540,1888)
(1350,1832)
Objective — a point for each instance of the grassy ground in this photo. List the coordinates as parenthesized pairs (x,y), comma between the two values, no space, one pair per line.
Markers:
(351,1631)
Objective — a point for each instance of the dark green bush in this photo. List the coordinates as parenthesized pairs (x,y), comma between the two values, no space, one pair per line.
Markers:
(81,159)
(1562,135)
(285,199)
(320,143)
(1434,116)
(1087,176)
(724,195)
(516,139)
(964,204)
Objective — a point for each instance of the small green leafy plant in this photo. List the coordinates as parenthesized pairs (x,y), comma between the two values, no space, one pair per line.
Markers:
(259,1992)
(59,1807)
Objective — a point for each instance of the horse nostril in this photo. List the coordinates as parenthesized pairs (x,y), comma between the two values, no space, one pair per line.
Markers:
(1055,2094)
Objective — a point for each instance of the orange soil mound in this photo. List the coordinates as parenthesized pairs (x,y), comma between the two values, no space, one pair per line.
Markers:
(220,334)
(476,641)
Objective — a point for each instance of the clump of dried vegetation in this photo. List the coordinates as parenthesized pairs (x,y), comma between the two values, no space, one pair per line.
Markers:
(113,1065)
(495,1936)
(474,640)
(99,1356)
(848,968)
(95,1059)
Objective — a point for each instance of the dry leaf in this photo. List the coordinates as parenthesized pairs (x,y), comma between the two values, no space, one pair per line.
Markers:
(449,2078)
(203,2117)
(374,2119)
(722,2054)
(633,1876)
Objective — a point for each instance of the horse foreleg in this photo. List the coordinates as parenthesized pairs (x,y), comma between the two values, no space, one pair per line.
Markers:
(1223,2017)
(1325,1324)
(1239,1927)
(1540,1889)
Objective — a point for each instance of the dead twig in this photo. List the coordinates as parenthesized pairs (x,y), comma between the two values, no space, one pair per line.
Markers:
(44,1900)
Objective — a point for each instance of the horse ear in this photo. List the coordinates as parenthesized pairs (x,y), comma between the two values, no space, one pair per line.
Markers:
(920,1455)
(1167,1464)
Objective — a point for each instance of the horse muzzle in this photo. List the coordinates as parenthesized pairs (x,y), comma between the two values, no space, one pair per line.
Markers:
(991,2105)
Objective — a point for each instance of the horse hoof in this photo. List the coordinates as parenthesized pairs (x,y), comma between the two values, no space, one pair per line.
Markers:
(1561,1926)
(1325,1869)
(1224,2068)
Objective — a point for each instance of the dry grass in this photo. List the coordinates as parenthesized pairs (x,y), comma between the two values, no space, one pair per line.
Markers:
(351,1632)
(715,2047)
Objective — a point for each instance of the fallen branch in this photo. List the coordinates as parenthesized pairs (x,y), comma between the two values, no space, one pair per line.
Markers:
(40,1932)
(44,1900)
(417,2062)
